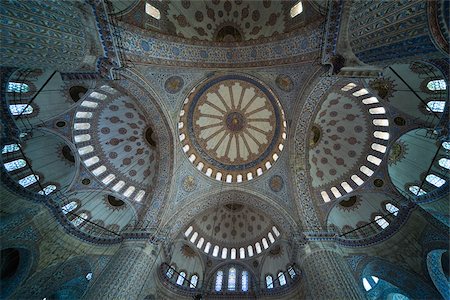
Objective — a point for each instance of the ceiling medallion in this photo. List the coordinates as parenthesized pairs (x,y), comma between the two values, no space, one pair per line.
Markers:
(232,128)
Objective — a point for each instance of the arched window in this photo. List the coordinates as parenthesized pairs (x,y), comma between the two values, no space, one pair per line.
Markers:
(296,9)
(29,180)
(89,276)
(291,272)
(48,189)
(215,251)
(275,230)
(271,238)
(200,243)
(258,247)
(180,279)
(10,148)
(265,244)
(269,282)
(392,209)
(188,231)
(20,109)
(435,106)
(232,279)
(224,253)
(244,281)
(233,253)
(194,237)
(445,163)
(437,85)
(282,278)
(219,280)
(370,282)
(381,222)
(15,165)
(69,207)
(446,145)
(435,180)
(80,219)
(250,251)
(17,87)
(194,281)
(241,253)
(170,271)
(416,190)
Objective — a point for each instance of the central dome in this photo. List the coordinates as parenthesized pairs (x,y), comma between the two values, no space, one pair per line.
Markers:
(232,128)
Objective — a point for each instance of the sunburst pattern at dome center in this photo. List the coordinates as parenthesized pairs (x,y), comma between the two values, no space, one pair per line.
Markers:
(232,128)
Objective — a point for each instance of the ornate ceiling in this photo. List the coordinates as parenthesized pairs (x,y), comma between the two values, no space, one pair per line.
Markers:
(232,128)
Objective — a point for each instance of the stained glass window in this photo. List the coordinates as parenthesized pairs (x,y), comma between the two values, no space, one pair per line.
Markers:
(445,163)
(282,278)
(232,279)
(29,180)
(20,109)
(80,219)
(69,207)
(416,190)
(15,165)
(435,106)
(18,87)
(381,222)
(291,272)
(435,180)
(392,209)
(269,282)
(180,279)
(48,189)
(194,281)
(169,272)
(219,280)
(437,85)
(244,281)
(10,148)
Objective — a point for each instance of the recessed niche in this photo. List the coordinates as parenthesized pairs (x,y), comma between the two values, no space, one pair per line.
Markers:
(86,181)
(399,121)
(77,92)
(67,153)
(378,182)
(61,124)
(149,137)
(234,206)
(113,201)
(228,34)
(348,202)
(10,259)
(315,136)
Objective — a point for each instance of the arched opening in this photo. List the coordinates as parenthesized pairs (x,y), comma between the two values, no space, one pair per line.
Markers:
(77,92)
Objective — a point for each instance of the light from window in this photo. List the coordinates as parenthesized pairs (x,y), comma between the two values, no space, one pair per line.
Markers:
(139,196)
(20,109)
(215,251)
(381,135)
(207,247)
(233,253)
(336,192)
(437,85)
(194,237)
(180,279)
(361,92)
(250,251)
(446,145)
(241,253)
(346,187)
(269,282)
(10,148)
(435,106)
(152,11)
(258,247)
(98,96)
(377,111)
(99,170)
(29,180)
(282,278)
(18,87)
(265,244)
(89,276)
(224,253)
(15,165)
(325,196)
(82,138)
(378,147)
(194,281)
(380,122)
(108,179)
(69,207)
(356,179)
(200,243)
(275,230)
(416,190)
(348,87)
(91,161)
(373,159)
(271,238)
(244,281)
(48,189)
(188,231)
(80,219)
(445,163)
(296,9)
(232,279)
(219,280)
(291,272)
(366,285)
(435,180)
(370,100)
(85,150)
(83,115)
(392,209)
(108,89)
(169,272)
(381,222)
(90,104)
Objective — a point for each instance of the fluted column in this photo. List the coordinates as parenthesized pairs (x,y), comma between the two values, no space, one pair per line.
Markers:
(125,275)
(328,276)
